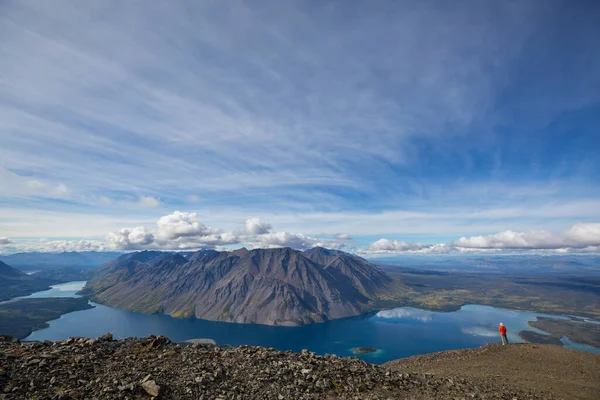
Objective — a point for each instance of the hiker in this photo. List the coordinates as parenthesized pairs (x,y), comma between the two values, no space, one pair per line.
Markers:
(502,330)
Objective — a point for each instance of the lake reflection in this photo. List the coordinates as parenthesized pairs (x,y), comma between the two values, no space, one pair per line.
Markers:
(396,333)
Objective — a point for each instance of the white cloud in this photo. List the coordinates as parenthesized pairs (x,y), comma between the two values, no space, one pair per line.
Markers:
(259,234)
(44,245)
(181,224)
(184,231)
(395,246)
(579,236)
(343,236)
(281,239)
(176,231)
(582,235)
(193,198)
(130,238)
(15,185)
(47,189)
(72,245)
(148,201)
(255,226)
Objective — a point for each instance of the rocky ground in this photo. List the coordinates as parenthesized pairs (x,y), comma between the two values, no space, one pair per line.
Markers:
(155,367)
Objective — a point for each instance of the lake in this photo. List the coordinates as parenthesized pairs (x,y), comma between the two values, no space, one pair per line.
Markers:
(396,333)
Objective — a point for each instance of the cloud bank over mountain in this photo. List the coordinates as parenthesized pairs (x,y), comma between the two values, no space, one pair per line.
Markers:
(184,231)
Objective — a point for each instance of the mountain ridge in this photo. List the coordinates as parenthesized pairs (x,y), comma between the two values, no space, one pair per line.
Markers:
(278,286)
(14,283)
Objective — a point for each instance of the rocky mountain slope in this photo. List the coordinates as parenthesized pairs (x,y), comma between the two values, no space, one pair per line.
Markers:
(265,286)
(154,367)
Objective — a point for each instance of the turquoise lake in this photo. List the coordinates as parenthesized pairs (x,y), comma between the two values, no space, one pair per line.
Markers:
(396,333)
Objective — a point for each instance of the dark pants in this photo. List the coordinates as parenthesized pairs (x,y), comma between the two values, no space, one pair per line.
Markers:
(504,338)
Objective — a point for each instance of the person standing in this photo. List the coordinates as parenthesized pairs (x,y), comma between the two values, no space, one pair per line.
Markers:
(502,330)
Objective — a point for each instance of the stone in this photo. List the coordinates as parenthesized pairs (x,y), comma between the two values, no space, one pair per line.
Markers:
(107,337)
(151,388)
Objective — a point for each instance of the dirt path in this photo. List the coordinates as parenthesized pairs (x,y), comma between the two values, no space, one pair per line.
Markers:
(558,372)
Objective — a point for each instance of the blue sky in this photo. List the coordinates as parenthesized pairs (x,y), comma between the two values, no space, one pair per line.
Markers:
(417,122)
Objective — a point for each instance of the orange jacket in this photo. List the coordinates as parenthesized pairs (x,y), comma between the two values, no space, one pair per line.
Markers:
(502,330)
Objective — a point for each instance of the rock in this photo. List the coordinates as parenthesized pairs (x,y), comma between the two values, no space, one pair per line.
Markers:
(151,388)
(107,337)
(160,341)
(209,342)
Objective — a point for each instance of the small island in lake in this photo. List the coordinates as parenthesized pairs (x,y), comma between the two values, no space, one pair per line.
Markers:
(578,331)
(363,350)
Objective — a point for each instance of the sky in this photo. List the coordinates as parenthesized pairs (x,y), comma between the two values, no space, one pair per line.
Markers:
(376,127)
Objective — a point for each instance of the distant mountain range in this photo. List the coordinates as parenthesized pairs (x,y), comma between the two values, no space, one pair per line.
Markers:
(265,286)
(38,261)
(521,264)
(15,283)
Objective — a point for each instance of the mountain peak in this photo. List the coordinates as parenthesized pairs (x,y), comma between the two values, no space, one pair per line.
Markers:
(277,286)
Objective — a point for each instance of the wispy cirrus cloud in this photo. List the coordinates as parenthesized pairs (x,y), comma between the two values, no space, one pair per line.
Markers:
(395,119)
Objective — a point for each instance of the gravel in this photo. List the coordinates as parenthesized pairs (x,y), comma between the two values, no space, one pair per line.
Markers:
(155,367)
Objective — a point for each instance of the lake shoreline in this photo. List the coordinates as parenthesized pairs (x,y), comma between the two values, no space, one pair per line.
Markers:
(575,330)
(400,332)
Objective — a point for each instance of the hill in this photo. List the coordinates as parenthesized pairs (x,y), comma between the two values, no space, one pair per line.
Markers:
(14,283)
(155,367)
(18,318)
(551,371)
(266,286)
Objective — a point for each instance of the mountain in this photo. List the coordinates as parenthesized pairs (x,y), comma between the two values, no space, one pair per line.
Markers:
(265,286)
(8,272)
(14,283)
(36,261)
